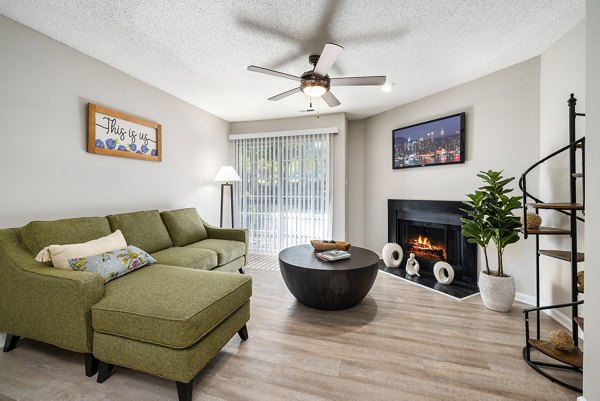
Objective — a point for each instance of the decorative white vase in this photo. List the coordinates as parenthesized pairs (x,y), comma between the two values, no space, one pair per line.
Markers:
(497,293)
(443,272)
(392,254)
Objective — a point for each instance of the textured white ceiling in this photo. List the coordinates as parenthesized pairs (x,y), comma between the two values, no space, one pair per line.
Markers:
(198,50)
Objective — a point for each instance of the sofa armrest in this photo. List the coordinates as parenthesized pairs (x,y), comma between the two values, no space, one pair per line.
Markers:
(45,303)
(232,234)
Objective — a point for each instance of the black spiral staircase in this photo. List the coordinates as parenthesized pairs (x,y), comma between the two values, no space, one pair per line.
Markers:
(575,209)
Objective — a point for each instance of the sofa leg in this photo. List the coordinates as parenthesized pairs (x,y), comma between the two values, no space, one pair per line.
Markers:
(184,390)
(243,333)
(11,342)
(241,270)
(104,371)
(91,365)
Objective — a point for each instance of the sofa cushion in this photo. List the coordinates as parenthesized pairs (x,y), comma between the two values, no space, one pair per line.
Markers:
(59,255)
(170,306)
(184,226)
(39,234)
(226,250)
(142,229)
(113,264)
(195,258)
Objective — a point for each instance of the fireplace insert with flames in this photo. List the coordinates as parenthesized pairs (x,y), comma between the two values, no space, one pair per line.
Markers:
(432,231)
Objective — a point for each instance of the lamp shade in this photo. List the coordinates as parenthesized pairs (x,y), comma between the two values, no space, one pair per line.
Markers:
(227,174)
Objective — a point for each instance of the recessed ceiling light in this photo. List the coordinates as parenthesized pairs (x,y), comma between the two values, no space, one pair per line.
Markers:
(387,87)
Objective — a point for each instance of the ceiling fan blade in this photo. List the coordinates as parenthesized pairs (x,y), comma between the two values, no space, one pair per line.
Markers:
(331,100)
(274,73)
(284,94)
(330,53)
(358,81)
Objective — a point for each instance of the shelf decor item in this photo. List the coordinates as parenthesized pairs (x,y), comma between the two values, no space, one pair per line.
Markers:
(443,272)
(489,217)
(320,245)
(534,221)
(561,340)
(580,281)
(392,254)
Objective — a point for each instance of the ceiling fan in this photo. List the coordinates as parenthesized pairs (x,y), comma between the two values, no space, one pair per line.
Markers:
(316,82)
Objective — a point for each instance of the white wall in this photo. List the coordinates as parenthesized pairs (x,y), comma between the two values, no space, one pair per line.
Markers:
(591,361)
(562,72)
(339,154)
(502,129)
(45,171)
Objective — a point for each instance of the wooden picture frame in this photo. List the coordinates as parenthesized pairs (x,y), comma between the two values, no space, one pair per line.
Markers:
(114,133)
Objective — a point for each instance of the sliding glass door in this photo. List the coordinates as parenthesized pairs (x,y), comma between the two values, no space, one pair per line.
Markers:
(284,197)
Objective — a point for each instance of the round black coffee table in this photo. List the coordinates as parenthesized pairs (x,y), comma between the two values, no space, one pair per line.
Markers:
(324,285)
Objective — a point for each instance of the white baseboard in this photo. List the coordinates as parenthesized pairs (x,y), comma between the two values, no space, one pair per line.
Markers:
(555,314)
(581,398)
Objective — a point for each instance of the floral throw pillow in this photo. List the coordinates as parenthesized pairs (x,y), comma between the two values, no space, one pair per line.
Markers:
(113,264)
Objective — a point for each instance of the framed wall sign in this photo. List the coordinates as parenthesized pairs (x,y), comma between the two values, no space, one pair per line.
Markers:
(114,133)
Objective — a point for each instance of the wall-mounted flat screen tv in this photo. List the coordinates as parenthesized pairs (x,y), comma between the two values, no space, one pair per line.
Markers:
(432,143)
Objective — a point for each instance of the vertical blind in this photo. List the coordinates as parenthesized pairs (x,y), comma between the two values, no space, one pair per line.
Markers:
(284,198)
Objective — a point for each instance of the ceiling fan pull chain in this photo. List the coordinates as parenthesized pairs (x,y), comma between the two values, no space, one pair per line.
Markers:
(318,109)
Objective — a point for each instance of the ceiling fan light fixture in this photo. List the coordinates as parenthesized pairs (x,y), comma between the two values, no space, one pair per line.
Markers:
(314,88)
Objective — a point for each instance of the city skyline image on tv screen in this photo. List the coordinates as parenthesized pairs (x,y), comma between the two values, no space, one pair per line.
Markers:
(435,142)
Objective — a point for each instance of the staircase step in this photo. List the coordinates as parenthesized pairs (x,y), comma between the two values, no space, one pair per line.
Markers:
(562,255)
(572,358)
(577,175)
(579,321)
(559,205)
(541,230)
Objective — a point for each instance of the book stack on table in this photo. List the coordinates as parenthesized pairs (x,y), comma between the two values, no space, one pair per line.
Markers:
(330,256)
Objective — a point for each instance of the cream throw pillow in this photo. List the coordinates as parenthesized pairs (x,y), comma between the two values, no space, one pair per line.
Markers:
(60,254)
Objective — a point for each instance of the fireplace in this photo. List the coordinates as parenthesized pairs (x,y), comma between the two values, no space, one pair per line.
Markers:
(432,231)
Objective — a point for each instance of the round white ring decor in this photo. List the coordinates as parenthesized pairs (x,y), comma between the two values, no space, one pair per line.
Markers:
(392,254)
(443,272)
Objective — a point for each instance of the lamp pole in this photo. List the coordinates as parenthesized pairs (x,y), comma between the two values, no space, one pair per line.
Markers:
(230,197)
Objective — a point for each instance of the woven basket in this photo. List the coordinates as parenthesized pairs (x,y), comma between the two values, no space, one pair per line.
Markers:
(327,246)
(497,293)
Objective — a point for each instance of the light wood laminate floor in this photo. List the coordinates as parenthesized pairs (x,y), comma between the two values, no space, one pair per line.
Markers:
(401,343)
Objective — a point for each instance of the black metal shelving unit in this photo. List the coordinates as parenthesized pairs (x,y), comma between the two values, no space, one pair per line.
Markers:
(569,360)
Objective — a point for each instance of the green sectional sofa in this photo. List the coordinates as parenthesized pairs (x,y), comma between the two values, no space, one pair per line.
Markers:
(168,319)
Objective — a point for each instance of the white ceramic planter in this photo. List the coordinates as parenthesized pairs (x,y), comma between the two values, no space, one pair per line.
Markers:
(497,293)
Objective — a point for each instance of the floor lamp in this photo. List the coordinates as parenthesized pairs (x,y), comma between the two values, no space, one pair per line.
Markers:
(227,174)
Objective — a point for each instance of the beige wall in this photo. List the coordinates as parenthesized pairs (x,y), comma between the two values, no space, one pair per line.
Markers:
(562,72)
(45,170)
(591,361)
(502,129)
(339,154)
(356,178)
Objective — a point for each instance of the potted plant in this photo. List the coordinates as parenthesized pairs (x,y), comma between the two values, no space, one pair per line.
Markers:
(489,217)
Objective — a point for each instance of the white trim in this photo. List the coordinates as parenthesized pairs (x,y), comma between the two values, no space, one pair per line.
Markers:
(431,289)
(581,398)
(558,316)
(312,131)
